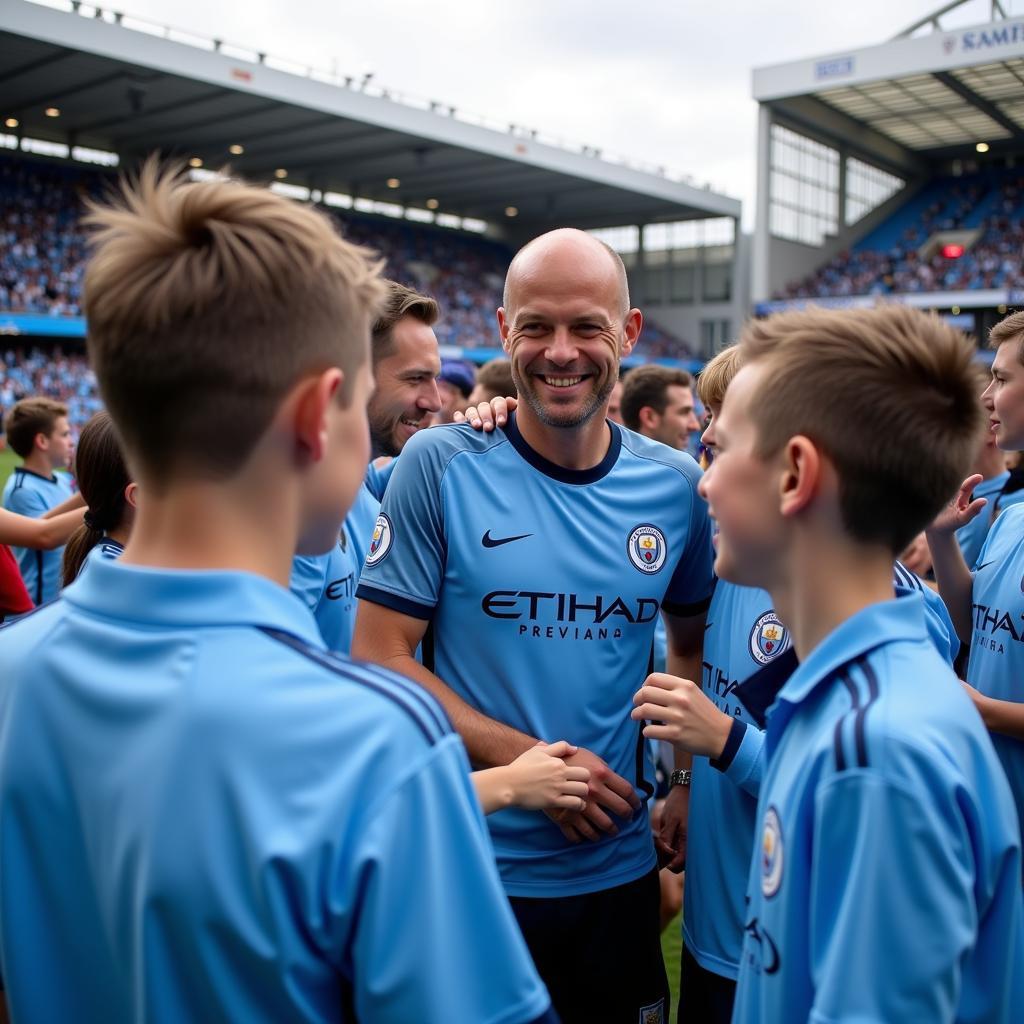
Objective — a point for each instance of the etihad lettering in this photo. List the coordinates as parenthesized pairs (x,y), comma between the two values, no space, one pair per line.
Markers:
(719,687)
(994,621)
(547,606)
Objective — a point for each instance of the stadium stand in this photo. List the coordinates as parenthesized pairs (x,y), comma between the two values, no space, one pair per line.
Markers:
(903,254)
(63,376)
(42,258)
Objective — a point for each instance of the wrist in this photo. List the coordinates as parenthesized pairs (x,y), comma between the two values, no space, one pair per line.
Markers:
(722,730)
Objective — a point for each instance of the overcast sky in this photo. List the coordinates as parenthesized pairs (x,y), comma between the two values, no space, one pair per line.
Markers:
(665,81)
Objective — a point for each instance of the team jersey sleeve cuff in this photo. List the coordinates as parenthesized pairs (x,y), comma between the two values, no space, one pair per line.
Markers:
(686,610)
(742,761)
(395,602)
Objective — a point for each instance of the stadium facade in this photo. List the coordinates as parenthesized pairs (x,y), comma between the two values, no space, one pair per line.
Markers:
(894,173)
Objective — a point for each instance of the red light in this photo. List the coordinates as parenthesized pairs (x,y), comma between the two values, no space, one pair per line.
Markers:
(952,252)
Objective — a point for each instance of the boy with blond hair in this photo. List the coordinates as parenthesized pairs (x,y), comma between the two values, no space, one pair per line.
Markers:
(226,822)
(987,603)
(38,431)
(887,882)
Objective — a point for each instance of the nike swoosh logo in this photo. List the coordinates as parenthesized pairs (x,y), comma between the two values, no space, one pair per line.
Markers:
(983,564)
(495,542)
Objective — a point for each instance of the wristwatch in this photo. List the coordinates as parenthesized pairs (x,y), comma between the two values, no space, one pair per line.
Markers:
(680,777)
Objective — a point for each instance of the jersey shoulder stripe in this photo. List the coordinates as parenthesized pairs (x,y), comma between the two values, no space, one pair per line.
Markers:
(415,702)
(857,713)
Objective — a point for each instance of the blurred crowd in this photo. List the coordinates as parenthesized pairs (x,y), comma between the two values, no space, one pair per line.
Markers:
(49,374)
(43,253)
(992,259)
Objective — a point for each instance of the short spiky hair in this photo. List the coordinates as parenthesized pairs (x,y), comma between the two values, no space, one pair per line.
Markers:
(206,303)
(29,418)
(889,396)
(400,301)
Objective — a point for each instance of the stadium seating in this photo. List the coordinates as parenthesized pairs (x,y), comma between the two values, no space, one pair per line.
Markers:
(43,253)
(887,260)
(65,377)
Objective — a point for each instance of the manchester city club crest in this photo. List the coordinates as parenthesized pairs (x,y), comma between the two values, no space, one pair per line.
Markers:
(768,639)
(653,1014)
(380,543)
(647,549)
(771,853)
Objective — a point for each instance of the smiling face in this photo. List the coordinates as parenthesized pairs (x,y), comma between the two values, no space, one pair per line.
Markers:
(565,328)
(1003,399)
(741,489)
(406,394)
(679,420)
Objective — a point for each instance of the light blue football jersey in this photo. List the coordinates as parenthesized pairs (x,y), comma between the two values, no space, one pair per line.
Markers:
(327,583)
(996,664)
(886,885)
(743,635)
(972,536)
(542,587)
(30,494)
(205,816)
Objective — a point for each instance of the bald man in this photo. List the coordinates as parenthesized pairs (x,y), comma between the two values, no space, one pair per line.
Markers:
(532,563)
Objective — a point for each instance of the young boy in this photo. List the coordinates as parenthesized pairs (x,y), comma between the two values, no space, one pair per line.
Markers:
(987,605)
(744,636)
(887,886)
(38,431)
(203,814)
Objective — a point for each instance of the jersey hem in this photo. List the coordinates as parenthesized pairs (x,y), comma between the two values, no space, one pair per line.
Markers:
(579,887)
(714,964)
(532,1009)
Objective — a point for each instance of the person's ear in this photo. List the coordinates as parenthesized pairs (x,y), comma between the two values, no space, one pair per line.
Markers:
(631,331)
(131,495)
(503,327)
(42,441)
(313,397)
(649,418)
(801,475)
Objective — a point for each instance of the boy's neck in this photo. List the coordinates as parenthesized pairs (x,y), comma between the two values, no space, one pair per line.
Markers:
(826,586)
(38,463)
(210,526)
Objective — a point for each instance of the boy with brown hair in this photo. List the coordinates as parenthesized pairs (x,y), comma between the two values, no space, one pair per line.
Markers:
(217,826)
(38,431)
(887,886)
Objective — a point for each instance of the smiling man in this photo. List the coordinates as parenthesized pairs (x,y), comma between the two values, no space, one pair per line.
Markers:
(539,556)
(406,365)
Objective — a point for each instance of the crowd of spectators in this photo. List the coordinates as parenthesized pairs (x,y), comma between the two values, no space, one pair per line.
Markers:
(43,253)
(49,374)
(992,259)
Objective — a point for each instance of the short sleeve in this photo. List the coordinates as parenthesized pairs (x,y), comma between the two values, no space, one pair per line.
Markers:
(26,501)
(689,591)
(910,887)
(434,937)
(406,559)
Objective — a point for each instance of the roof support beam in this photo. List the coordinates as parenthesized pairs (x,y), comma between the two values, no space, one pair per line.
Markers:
(988,108)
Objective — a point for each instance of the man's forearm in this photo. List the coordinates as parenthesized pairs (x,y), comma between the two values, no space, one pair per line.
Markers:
(954,579)
(489,743)
(686,665)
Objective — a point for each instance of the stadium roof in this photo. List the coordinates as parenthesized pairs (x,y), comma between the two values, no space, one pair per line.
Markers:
(119,87)
(934,95)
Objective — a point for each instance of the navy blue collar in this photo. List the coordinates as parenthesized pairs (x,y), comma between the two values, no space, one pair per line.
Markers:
(39,476)
(758,693)
(556,472)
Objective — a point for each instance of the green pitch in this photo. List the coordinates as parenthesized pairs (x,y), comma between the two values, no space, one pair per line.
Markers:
(671,950)
(8,460)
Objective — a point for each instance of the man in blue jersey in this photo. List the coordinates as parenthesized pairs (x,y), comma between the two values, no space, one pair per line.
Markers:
(987,605)
(203,814)
(406,363)
(886,885)
(532,563)
(38,431)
